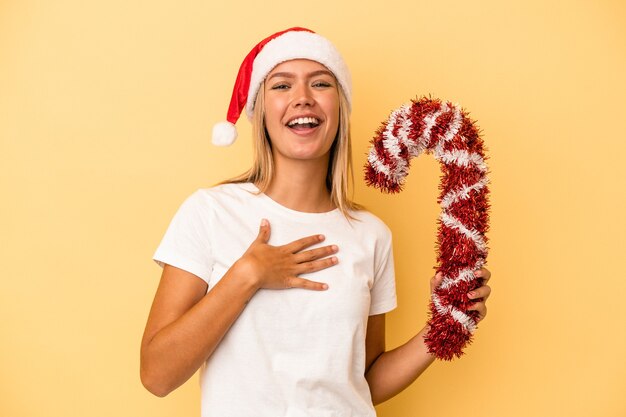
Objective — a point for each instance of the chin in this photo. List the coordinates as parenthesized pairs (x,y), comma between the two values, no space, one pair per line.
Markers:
(303,153)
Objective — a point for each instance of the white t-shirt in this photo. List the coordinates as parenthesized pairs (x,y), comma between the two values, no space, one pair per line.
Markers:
(291,352)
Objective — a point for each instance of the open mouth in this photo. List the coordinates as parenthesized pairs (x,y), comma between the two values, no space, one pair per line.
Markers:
(301,123)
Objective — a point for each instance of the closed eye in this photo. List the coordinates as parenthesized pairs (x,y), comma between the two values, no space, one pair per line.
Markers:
(281,86)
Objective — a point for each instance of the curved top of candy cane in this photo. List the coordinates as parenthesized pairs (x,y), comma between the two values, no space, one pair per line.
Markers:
(429,125)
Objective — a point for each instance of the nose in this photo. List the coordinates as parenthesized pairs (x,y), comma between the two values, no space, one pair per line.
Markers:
(302,95)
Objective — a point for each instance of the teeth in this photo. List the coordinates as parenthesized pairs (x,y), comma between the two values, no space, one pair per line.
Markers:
(303,120)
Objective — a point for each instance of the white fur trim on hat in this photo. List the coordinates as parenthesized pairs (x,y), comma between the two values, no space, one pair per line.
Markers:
(297,45)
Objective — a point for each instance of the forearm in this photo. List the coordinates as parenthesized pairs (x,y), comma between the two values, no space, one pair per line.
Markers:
(396,369)
(178,350)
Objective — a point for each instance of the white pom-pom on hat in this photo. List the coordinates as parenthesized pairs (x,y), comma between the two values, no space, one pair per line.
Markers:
(224,134)
(294,43)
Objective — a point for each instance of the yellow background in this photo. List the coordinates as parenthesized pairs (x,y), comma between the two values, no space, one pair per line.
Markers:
(105,112)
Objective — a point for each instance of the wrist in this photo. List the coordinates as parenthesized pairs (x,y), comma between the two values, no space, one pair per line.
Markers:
(421,336)
(243,273)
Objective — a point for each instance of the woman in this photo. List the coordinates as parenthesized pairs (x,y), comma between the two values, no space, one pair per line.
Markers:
(275,284)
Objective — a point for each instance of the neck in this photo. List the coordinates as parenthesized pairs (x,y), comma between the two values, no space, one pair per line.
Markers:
(301,186)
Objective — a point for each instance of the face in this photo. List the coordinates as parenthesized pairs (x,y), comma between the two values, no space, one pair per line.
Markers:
(301,110)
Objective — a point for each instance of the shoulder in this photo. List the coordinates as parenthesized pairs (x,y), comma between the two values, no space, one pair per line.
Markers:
(368,221)
(222,194)
(206,206)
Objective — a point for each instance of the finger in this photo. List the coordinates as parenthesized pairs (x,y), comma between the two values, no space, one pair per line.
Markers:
(314,266)
(297,245)
(436,281)
(481,292)
(297,282)
(264,231)
(313,254)
(483,273)
(481,308)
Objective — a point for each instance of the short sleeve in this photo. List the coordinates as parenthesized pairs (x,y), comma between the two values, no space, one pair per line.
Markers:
(186,244)
(383,291)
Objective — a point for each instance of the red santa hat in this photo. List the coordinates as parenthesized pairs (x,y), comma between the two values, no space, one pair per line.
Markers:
(294,43)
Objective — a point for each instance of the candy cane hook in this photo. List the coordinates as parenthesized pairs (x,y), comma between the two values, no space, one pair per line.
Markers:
(443,129)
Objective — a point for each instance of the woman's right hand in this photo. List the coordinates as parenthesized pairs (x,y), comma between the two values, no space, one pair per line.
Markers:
(279,267)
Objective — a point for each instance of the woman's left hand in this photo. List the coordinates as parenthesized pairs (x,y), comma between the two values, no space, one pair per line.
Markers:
(480,294)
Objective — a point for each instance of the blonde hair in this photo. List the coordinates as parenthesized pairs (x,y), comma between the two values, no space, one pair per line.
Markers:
(340,176)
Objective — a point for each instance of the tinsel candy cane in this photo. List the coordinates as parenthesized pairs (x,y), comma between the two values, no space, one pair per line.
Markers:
(443,129)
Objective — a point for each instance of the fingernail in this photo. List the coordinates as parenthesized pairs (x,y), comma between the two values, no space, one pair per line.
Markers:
(263,222)
(334,259)
(320,237)
(324,286)
(334,248)
(471,294)
(477,273)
